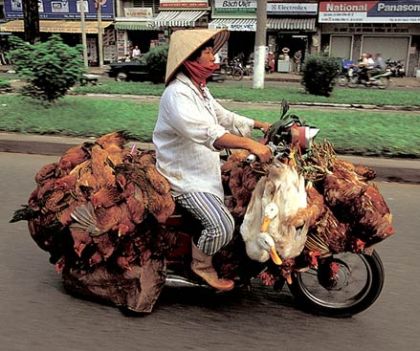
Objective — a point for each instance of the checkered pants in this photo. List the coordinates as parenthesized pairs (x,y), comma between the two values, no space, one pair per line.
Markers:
(216,219)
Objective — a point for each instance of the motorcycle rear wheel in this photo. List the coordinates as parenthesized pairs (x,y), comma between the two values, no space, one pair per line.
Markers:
(237,74)
(355,284)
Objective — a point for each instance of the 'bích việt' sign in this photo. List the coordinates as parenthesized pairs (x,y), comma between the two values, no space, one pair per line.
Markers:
(231,6)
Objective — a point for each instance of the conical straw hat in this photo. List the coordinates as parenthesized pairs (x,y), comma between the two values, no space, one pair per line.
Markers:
(184,42)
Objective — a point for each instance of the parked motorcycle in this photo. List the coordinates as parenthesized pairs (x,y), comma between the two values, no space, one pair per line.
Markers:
(356,77)
(232,68)
(396,67)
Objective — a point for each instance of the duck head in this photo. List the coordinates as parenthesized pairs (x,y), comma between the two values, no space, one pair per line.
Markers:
(266,243)
(270,212)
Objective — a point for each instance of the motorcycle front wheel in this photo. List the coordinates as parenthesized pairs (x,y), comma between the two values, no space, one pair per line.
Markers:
(353,81)
(342,80)
(342,285)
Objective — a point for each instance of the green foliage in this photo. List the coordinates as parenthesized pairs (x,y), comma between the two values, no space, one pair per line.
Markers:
(319,74)
(156,59)
(50,68)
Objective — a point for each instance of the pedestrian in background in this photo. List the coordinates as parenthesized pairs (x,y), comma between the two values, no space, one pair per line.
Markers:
(136,52)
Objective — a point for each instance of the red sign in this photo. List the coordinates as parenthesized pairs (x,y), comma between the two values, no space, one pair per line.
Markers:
(184,4)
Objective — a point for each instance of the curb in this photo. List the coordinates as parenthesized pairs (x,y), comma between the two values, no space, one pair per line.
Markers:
(153,98)
(392,170)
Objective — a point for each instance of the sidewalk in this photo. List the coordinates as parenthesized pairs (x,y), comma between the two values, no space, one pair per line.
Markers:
(394,170)
(405,82)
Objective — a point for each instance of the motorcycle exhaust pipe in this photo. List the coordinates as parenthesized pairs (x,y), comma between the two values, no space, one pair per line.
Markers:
(176,281)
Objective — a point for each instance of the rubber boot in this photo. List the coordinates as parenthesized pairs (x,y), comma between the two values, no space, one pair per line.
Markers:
(201,265)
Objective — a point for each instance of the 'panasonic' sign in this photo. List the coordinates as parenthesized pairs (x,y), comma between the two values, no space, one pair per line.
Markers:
(398,7)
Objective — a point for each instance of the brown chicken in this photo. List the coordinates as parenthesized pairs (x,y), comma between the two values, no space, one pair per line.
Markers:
(73,157)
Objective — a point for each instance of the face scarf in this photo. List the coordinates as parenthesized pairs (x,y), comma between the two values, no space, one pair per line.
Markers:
(199,73)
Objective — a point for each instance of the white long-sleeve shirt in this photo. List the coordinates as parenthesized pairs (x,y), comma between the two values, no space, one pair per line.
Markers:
(187,127)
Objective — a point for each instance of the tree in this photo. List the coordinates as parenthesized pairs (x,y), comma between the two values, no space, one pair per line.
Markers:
(319,74)
(50,68)
(156,60)
(31,20)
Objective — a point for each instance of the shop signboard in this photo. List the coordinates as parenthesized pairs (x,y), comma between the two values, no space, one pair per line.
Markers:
(60,9)
(292,8)
(183,4)
(235,7)
(139,12)
(401,11)
(235,26)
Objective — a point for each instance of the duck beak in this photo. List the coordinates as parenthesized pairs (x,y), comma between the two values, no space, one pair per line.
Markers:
(274,256)
(265,224)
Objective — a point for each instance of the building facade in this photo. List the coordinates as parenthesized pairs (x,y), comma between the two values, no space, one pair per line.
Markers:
(63,17)
(391,28)
(294,27)
(291,27)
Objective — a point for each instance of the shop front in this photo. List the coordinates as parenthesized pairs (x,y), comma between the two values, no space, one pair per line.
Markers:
(135,29)
(292,33)
(185,14)
(291,28)
(390,28)
(63,17)
(239,17)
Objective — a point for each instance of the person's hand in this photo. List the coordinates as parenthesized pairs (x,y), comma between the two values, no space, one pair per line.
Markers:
(263,152)
(263,126)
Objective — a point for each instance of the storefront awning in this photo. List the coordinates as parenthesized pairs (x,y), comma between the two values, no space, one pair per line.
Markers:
(301,24)
(250,24)
(134,25)
(47,26)
(235,24)
(177,18)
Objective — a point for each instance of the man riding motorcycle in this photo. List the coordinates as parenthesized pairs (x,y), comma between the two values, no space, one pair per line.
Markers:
(366,65)
(191,129)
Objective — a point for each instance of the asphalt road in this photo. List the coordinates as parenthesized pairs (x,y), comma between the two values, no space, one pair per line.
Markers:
(36,314)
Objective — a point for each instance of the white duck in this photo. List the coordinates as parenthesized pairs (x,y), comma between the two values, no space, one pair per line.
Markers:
(276,208)
(259,244)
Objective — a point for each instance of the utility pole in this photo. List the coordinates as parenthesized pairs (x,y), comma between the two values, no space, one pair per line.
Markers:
(100,34)
(31,20)
(83,29)
(260,40)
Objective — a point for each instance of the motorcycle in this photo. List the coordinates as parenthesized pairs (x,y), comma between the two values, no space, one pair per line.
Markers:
(232,68)
(337,281)
(356,77)
(396,67)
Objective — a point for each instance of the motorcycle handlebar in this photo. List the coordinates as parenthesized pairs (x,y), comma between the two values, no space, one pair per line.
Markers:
(251,158)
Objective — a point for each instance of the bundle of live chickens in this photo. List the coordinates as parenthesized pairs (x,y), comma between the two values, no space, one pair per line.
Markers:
(97,212)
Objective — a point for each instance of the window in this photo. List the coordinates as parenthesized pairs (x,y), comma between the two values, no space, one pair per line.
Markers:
(147,3)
